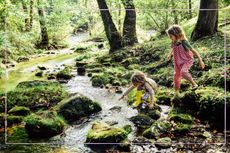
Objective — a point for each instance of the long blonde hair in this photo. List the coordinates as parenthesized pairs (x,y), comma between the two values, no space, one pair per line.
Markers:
(176,31)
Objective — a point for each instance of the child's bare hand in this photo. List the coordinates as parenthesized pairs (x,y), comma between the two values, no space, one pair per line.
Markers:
(168,58)
(202,65)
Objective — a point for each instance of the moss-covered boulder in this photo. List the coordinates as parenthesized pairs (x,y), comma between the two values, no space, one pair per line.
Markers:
(164,96)
(163,143)
(181,128)
(19,110)
(182,118)
(103,133)
(44,124)
(158,129)
(36,94)
(64,74)
(11,120)
(155,114)
(208,100)
(78,107)
(100,79)
(142,121)
(17,134)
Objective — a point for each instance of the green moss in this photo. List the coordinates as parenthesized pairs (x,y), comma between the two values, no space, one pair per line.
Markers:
(183,118)
(17,134)
(34,94)
(182,128)
(19,110)
(77,107)
(82,58)
(164,142)
(102,133)
(157,129)
(215,78)
(100,79)
(13,120)
(44,124)
(64,74)
(142,121)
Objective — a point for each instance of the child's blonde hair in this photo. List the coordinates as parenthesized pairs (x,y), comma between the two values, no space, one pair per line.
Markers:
(138,77)
(177,31)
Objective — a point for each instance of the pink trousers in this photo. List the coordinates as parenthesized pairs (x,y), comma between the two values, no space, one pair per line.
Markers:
(181,71)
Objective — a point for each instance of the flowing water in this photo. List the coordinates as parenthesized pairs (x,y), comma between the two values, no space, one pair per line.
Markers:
(113,111)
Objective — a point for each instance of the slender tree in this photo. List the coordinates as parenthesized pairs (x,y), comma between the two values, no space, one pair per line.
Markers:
(114,37)
(189,9)
(207,23)
(129,27)
(31,14)
(174,12)
(26,11)
(44,42)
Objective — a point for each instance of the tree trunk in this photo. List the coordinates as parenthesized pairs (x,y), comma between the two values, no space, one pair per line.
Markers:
(114,37)
(44,42)
(27,20)
(129,28)
(119,17)
(174,12)
(189,9)
(207,23)
(31,14)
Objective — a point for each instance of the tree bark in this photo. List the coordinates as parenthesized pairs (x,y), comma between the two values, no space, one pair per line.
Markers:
(129,28)
(174,12)
(189,9)
(114,37)
(31,14)
(207,23)
(44,42)
(27,20)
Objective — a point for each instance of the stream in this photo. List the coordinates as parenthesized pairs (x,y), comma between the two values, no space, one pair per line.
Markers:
(113,112)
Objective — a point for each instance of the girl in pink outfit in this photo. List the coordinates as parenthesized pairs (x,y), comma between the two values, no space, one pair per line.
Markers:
(182,53)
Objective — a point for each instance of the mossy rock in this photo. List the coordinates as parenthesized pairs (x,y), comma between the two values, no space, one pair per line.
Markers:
(14,120)
(208,100)
(39,74)
(163,143)
(182,118)
(78,107)
(17,134)
(154,114)
(36,94)
(129,61)
(96,70)
(44,124)
(19,110)
(142,121)
(64,74)
(11,120)
(103,133)
(157,129)
(182,128)
(100,79)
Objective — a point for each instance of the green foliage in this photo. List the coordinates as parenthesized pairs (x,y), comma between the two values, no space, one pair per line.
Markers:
(44,124)
(34,94)
(64,74)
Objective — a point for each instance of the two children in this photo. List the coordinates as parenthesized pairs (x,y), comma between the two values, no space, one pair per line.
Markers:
(182,53)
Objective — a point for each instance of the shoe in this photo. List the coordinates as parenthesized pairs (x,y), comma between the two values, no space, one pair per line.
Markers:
(194,87)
